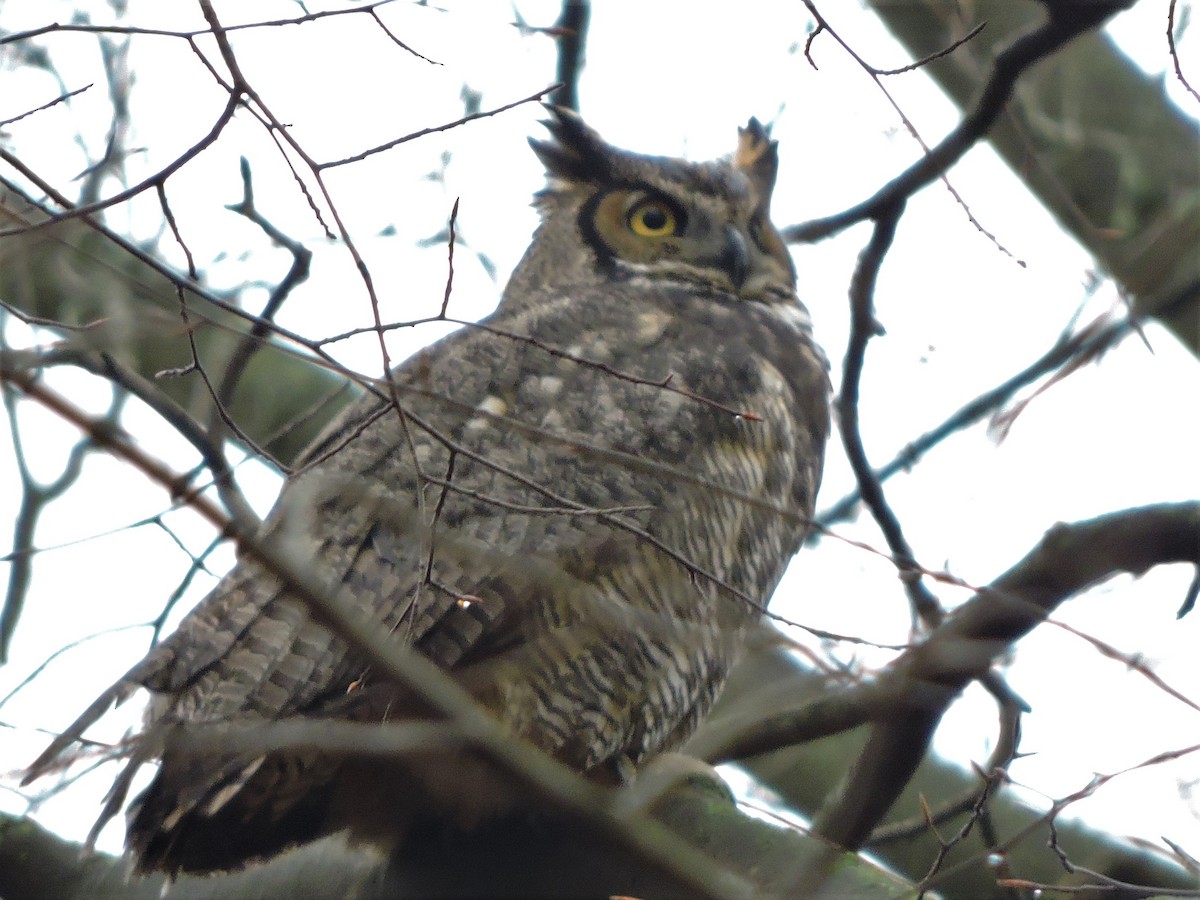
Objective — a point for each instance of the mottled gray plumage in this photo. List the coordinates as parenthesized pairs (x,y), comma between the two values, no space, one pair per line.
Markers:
(610,477)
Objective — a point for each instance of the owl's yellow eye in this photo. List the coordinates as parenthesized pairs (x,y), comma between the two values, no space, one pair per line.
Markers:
(653,218)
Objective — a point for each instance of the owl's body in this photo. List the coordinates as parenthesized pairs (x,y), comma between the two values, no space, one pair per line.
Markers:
(576,508)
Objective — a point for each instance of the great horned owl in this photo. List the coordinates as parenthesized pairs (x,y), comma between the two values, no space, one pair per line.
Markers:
(576,508)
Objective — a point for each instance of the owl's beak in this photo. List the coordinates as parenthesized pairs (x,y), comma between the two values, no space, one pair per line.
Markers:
(735,257)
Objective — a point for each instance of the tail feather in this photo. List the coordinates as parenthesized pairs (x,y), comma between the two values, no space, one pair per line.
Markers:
(141,675)
(231,822)
(50,757)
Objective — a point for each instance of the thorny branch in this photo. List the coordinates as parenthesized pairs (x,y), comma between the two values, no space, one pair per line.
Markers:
(197,566)
(886,208)
(1003,754)
(471,117)
(1047,820)
(978,814)
(220,415)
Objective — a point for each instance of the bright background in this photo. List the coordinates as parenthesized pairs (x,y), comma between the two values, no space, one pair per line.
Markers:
(668,78)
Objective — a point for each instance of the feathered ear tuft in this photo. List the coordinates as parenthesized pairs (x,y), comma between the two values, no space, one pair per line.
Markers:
(757,157)
(575,151)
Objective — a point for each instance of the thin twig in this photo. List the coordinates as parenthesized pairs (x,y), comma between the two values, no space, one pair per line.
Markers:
(1007,67)
(74,212)
(1086,343)
(412,136)
(62,98)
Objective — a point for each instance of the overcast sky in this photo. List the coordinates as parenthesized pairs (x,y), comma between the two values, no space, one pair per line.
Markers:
(668,78)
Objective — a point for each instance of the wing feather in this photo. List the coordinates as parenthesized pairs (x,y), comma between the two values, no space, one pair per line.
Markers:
(602,580)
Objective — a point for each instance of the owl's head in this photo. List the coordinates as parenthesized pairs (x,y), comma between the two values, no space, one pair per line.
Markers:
(608,214)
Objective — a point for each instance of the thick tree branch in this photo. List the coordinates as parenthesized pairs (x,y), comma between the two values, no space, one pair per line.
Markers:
(571,33)
(1008,66)
(1095,139)
(926,679)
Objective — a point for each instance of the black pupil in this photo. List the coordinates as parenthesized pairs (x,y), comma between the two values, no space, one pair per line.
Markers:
(654,219)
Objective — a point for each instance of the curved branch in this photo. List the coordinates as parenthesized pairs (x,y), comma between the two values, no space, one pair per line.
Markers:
(1069,559)
(1066,22)
(74,212)
(1086,344)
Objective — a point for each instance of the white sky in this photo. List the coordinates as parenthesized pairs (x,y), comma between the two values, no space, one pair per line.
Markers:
(670,78)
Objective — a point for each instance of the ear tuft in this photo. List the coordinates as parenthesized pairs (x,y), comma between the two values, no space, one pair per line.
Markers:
(757,157)
(575,151)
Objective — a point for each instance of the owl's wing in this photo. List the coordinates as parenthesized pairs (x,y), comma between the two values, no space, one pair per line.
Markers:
(542,453)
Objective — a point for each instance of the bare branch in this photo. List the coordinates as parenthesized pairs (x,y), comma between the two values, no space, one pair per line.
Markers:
(412,136)
(35,498)
(1069,559)
(1088,343)
(1006,69)
(570,32)
(73,212)
(296,275)
(62,98)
